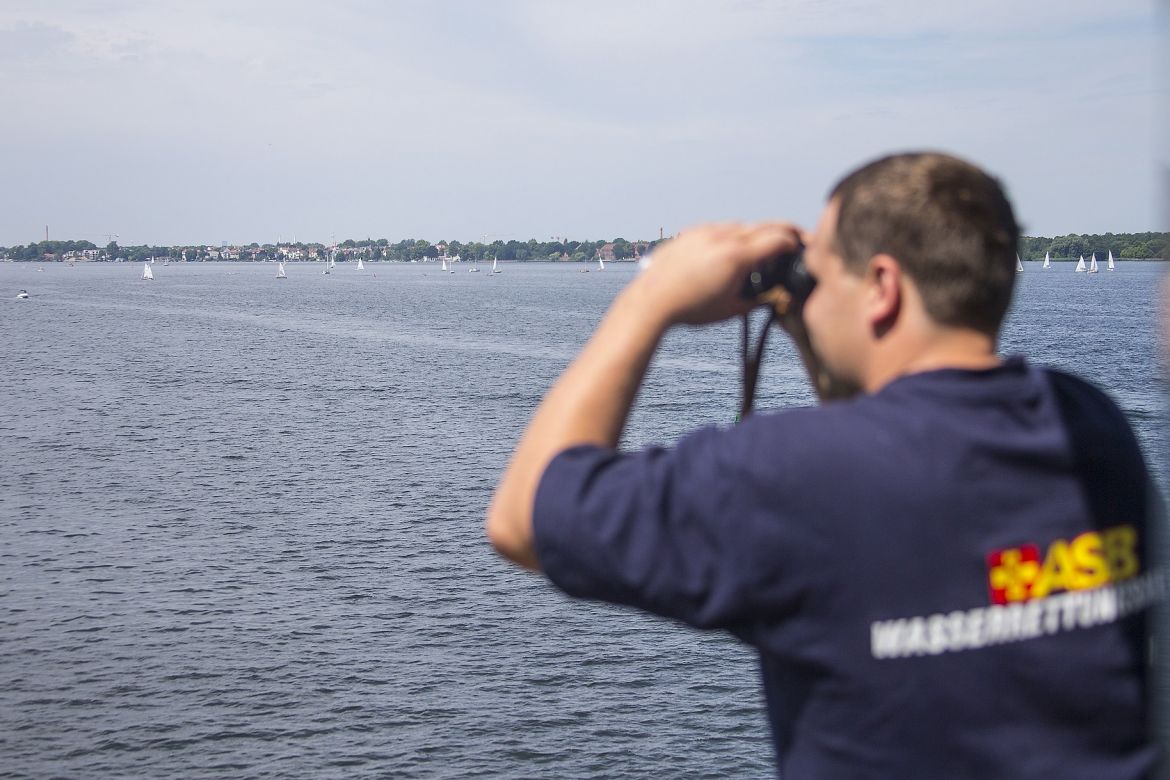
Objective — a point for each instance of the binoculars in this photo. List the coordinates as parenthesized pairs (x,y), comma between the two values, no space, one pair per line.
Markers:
(786,270)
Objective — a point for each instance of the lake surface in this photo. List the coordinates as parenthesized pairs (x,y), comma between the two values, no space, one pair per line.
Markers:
(242,521)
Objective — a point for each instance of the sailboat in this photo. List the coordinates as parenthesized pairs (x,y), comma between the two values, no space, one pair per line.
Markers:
(1047,261)
(600,263)
(444,268)
(1081,265)
(474,267)
(1093,264)
(146,272)
(495,269)
(280,274)
(1019,265)
(1110,266)
(361,267)
(332,261)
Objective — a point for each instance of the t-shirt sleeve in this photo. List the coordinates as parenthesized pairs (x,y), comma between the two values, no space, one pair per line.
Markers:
(659,529)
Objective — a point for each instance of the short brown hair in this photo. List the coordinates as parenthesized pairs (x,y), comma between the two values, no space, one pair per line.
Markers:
(949,225)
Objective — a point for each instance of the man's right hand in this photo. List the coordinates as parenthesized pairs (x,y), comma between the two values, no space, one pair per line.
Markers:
(698,277)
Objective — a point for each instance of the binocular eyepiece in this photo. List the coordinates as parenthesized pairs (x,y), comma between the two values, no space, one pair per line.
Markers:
(786,270)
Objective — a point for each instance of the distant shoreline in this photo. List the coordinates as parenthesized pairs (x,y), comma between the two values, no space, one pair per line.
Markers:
(1124,246)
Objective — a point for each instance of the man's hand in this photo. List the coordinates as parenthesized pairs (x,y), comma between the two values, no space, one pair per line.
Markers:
(697,277)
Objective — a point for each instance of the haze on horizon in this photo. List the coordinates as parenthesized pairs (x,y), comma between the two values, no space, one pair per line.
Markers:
(199,123)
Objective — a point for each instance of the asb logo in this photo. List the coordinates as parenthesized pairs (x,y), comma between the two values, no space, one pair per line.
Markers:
(1090,560)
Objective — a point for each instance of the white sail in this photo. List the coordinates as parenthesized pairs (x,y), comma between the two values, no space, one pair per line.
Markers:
(146,272)
(361,266)
(495,264)
(1110,266)
(280,274)
(1093,264)
(1047,261)
(600,263)
(1019,265)
(444,268)
(1081,265)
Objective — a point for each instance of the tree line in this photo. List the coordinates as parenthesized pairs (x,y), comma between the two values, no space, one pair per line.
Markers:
(514,251)
(407,250)
(38,250)
(1132,246)
(1123,245)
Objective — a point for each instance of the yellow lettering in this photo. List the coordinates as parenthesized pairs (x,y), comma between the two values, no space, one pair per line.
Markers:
(1052,577)
(1120,545)
(1090,570)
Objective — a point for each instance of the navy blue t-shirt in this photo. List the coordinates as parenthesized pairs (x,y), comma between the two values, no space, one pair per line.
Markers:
(946,578)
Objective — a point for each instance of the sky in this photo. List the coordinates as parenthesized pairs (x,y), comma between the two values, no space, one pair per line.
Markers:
(238,121)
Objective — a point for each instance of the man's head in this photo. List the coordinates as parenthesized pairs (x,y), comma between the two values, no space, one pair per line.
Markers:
(921,243)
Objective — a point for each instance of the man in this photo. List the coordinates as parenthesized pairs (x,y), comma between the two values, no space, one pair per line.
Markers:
(944,571)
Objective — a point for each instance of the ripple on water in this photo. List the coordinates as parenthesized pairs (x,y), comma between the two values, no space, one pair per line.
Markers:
(243,524)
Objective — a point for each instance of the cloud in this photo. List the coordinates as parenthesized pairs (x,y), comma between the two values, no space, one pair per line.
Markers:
(25,45)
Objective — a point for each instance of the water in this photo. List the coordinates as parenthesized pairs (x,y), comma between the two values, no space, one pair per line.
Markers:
(242,522)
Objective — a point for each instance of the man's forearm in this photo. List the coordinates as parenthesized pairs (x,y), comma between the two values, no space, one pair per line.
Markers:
(589,404)
(696,278)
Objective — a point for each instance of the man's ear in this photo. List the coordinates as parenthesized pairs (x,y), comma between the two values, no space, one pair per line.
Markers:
(883,298)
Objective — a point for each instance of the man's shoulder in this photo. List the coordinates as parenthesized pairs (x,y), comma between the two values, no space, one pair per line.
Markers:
(829,422)
(1079,396)
(1098,432)
(834,433)
(925,414)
